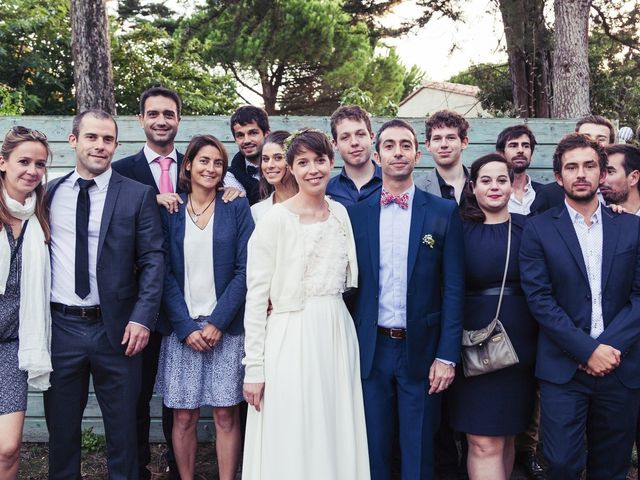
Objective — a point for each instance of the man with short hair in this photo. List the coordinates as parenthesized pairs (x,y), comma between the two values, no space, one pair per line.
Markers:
(107,266)
(621,186)
(157,164)
(353,136)
(598,129)
(517,144)
(249,127)
(446,139)
(580,271)
(407,308)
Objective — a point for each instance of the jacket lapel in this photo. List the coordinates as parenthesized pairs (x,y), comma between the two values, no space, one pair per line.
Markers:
(373,222)
(142,171)
(610,235)
(109,205)
(431,184)
(417,220)
(53,187)
(176,235)
(564,225)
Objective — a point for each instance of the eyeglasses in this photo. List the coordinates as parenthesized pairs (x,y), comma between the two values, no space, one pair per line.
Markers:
(24,131)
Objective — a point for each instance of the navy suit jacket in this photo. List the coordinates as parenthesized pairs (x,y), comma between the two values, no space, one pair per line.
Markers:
(232,227)
(137,168)
(547,196)
(130,264)
(435,286)
(554,278)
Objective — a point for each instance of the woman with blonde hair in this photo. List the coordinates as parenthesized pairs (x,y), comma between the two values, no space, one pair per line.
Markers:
(25,280)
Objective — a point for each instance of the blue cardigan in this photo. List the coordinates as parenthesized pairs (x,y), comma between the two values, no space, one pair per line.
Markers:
(232,227)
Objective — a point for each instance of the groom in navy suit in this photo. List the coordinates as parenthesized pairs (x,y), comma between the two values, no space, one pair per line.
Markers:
(580,270)
(408,307)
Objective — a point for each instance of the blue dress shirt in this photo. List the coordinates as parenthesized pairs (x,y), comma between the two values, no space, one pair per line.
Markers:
(342,189)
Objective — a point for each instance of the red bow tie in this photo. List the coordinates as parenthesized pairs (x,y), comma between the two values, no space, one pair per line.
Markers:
(388,198)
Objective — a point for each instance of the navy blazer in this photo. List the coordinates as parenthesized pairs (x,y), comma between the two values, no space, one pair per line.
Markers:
(232,227)
(435,286)
(130,264)
(137,168)
(554,278)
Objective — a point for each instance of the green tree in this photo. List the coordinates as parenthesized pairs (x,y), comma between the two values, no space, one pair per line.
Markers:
(494,82)
(10,101)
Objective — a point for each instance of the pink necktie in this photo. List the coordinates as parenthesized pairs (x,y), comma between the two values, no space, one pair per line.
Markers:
(166,186)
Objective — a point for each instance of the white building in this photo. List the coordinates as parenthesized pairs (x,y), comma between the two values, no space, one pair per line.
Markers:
(433,96)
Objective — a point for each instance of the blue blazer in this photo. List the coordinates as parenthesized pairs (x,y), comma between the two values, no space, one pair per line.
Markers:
(554,279)
(232,227)
(137,168)
(130,265)
(435,286)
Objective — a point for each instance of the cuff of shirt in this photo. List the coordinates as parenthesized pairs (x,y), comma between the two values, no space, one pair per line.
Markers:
(446,362)
(136,323)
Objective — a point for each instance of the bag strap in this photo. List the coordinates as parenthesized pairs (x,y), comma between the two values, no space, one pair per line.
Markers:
(506,267)
(18,242)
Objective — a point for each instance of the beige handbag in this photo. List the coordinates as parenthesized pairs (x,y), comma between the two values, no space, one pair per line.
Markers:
(489,349)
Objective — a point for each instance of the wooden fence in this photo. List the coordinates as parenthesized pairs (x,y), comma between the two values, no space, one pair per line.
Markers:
(482,135)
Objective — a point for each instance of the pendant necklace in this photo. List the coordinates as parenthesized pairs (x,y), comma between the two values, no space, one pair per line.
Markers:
(196,216)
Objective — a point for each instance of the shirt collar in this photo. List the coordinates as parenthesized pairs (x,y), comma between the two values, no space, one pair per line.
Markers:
(441,181)
(150,155)
(102,180)
(578,218)
(409,191)
(377,172)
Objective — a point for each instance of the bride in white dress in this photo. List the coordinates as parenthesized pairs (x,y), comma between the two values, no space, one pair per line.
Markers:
(302,372)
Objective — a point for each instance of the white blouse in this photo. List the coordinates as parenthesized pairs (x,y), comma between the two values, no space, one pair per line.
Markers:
(199,283)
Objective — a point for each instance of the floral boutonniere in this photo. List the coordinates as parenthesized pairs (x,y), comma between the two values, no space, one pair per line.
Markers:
(428,240)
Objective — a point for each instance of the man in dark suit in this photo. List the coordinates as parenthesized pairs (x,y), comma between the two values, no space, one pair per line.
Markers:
(107,275)
(157,164)
(407,309)
(598,129)
(249,127)
(580,269)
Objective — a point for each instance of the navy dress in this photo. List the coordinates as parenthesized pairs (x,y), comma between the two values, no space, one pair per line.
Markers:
(498,403)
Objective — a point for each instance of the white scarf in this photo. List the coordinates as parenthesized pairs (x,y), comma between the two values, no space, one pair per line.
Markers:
(34,330)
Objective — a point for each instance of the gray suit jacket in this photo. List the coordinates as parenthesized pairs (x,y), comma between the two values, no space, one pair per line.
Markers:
(430,184)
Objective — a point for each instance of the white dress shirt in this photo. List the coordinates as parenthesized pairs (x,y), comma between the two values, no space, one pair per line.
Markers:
(395,224)
(155,168)
(199,282)
(523,207)
(590,239)
(63,239)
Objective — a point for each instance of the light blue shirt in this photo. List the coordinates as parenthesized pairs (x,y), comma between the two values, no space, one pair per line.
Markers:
(395,225)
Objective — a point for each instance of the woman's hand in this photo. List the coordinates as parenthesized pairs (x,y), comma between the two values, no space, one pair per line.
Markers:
(197,342)
(253,393)
(211,334)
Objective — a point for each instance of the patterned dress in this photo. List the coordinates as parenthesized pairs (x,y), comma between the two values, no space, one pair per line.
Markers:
(13,382)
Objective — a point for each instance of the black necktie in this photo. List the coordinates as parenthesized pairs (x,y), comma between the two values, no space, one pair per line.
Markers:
(82,238)
(251,170)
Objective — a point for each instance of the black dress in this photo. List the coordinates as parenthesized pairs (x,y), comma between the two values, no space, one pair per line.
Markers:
(498,403)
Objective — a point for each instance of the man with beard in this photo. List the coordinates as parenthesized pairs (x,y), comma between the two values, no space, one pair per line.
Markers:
(595,127)
(249,127)
(580,272)
(517,144)
(622,183)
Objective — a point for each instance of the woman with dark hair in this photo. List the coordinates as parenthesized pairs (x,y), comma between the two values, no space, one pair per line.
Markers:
(25,284)
(204,292)
(276,182)
(493,407)
(302,373)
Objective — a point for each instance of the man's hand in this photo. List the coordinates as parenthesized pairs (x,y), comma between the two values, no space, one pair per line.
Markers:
(231,193)
(135,337)
(196,341)
(440,376)
(211,334)
(170,201)
(253,393)
(603,360)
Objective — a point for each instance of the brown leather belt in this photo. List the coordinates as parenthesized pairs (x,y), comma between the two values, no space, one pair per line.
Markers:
(395,333)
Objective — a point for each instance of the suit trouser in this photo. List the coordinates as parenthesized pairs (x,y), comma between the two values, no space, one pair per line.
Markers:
(80,348)
(601,408)
(150,357)
(527,441)
(390,389)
